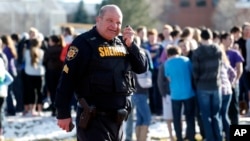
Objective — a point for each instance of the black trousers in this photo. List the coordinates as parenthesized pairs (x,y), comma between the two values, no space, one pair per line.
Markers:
(233,111)
(52,78)
(100,128)
(1,112)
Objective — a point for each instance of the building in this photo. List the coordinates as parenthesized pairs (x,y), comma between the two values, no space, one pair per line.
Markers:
(192,13)
(17,16)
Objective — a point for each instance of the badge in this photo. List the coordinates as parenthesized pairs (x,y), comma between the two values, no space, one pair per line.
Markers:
(72,53)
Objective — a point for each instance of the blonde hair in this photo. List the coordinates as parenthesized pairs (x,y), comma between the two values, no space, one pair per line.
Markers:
(34,52)
(169,27)
(197,35)
(34,31)
(9,43)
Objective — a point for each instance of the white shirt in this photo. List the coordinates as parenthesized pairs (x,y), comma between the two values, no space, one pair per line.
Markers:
(29,69)
(6,79)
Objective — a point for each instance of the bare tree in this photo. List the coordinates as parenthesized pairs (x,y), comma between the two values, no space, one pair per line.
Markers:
(227,14)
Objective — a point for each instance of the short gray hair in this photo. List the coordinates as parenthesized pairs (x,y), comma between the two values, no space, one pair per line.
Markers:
(104,8)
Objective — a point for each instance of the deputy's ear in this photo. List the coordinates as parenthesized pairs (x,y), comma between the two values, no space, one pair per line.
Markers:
(97,19)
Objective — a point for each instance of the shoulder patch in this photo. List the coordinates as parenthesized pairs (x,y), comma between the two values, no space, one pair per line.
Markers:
(66,69)
(72,53)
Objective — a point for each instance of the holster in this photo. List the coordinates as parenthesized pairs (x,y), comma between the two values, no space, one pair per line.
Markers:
(121,115)
(87,114)
(128,108)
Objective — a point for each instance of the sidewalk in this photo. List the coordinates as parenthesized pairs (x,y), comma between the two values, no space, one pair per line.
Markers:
(19,128)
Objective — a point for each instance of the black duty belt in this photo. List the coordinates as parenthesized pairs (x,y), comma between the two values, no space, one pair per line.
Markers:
(119,115)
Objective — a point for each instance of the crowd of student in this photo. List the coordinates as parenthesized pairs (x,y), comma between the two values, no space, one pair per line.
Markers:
(198,72)
(34,63)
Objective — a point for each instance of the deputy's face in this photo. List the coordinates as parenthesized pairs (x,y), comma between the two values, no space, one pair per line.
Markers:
(109,24)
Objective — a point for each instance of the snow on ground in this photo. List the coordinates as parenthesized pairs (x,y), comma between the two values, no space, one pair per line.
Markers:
(19,128)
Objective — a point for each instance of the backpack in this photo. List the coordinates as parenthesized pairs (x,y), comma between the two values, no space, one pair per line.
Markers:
(145,79)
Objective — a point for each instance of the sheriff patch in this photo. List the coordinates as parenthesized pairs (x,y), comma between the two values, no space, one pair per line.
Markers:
(72,53)
(112,51)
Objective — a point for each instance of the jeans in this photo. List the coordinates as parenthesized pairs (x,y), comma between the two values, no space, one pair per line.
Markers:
(143,114)
(198,118)
(189,112)
(210,104)
(226,99)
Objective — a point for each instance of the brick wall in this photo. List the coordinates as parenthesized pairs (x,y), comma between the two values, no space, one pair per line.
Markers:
(191,15)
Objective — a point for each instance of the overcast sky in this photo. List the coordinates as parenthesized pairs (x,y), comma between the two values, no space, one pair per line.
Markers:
(86,1)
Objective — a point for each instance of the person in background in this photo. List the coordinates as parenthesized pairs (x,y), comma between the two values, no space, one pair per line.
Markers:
(236,61)
(68,34)
(244,82)
(216,37)
(35,72)
(18,80)
(236,31)
(227,76)
(166,31)
(139,99)
(186,50)
(197,35)
(248,66)
(9,49)
(54,66)
(163,85)
(206,60)
(187,34)
(168,40)
(5,80)
(142,34)
(178,70)
(175,34)
(155,50)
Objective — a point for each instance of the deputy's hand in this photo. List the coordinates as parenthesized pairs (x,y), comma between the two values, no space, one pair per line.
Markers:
(128,35)
(65,124)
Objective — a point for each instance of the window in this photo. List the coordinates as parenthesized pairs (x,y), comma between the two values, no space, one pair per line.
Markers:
(201,3)
(184,3)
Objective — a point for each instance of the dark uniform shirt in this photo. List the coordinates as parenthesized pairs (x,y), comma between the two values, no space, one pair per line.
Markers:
(84,62)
